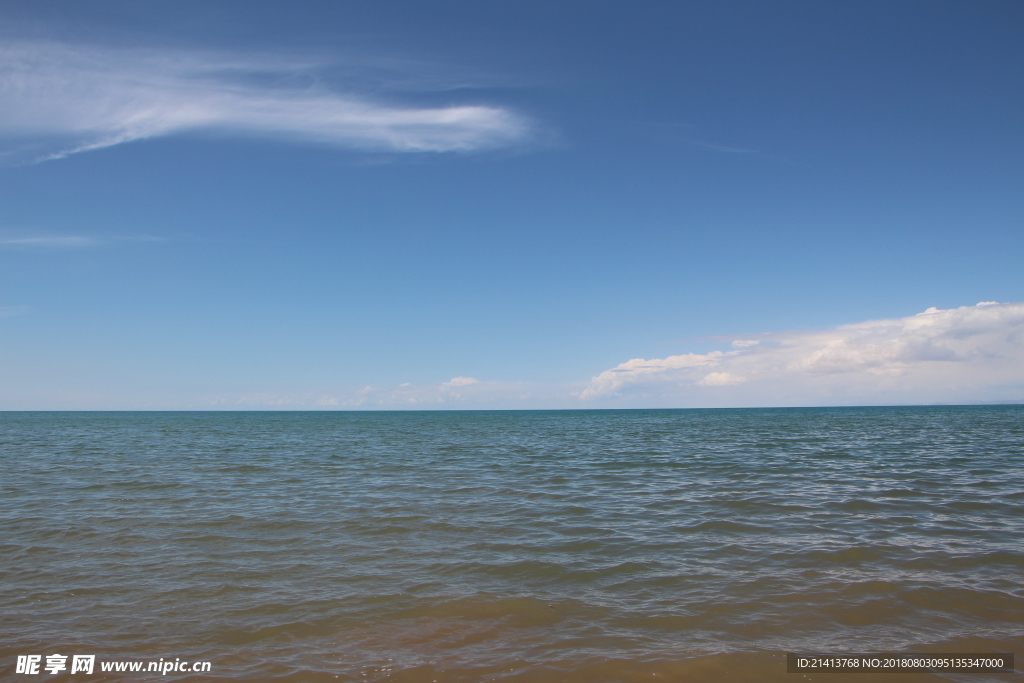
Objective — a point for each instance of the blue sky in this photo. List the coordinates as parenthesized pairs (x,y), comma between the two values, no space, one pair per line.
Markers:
(501,205)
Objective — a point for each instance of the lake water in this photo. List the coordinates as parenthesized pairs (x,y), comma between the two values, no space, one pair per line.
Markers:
(671,545)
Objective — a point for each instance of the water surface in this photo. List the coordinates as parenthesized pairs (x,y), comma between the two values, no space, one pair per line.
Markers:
(511,545)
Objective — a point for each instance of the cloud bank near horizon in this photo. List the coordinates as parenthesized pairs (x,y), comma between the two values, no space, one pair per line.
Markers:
(458,393)
(962,354)
(83,98)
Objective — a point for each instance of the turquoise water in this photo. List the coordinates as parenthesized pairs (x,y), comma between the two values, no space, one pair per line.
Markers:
(511,545)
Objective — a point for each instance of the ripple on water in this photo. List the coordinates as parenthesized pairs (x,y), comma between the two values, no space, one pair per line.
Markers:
(518,546)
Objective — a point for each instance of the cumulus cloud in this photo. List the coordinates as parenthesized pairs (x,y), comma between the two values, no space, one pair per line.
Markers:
(940,355)
(89,98)
(460,382)
(720,379)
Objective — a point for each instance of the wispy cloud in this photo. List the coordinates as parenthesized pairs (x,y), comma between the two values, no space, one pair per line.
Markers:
(966,353)
(47,242)
(453,393)
(724,148)
(89,98)
(10,311)
(456,393)
(61,242)
(687,134)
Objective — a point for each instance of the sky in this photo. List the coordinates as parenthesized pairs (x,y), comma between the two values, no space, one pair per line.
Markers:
(510,205)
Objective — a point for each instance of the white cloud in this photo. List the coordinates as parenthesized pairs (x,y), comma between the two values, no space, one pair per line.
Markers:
(460,382)
(459,392)
(961,354)
(47,242)
(720,379)
(59,242)
(90,98)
